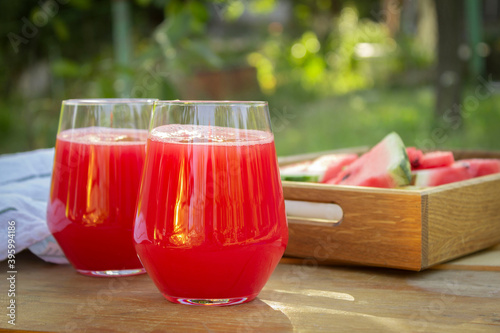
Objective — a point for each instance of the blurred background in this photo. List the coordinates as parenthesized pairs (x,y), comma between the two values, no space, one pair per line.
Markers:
(336,73)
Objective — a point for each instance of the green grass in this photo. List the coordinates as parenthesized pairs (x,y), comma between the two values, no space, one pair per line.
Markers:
(304,124)
(365,117)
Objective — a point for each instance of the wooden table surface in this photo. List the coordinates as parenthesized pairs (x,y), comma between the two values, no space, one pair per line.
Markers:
(301,296)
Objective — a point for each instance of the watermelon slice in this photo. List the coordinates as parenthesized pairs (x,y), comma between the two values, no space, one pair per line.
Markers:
(385,165)
(331,165)
(414,155)
(321,169)
(480,166)
(298,172)
(441,176)
(436,159)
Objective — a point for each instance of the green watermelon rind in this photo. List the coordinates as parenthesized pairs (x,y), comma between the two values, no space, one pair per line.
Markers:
(422,178)
(301,177)
(400,171)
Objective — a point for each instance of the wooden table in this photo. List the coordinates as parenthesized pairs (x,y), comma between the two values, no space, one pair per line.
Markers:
(302,295)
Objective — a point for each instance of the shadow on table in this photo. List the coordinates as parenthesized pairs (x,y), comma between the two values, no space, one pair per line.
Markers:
(255,316)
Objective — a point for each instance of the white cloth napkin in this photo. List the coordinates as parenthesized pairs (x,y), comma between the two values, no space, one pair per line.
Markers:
(24,191)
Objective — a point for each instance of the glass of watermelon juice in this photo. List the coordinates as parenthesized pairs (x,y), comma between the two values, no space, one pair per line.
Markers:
(210,225)
(99,156)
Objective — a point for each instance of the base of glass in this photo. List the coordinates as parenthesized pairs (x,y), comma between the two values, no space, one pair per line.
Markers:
(113,273)
(210,301)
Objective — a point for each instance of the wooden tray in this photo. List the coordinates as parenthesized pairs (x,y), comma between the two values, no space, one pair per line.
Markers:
(405,229)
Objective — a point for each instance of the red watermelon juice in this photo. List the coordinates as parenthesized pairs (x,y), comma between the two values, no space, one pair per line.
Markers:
(93,198)
(211,224)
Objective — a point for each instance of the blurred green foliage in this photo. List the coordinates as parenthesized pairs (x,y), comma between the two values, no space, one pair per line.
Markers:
(334,74)
(364,117)
(325,62)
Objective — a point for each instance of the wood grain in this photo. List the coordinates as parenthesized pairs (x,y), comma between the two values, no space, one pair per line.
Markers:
(379,227)
(299,297)
(463,218)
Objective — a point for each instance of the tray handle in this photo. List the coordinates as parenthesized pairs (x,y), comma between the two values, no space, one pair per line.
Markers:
(321,213)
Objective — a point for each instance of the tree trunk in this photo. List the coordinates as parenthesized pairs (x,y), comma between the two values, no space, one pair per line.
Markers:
(450,68)
(122,40)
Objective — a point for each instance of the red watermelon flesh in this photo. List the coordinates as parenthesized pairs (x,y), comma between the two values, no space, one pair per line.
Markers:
(321,169)
(436,159)
(480,166)
(382,181)
(385,165)
(441,176)
(332,164)
(414,155)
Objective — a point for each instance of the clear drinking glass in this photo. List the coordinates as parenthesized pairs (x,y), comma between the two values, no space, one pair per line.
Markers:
(211,225)
(99,156)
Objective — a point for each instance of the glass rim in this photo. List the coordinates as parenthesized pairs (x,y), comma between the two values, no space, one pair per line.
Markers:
(210,102)
(107,101)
